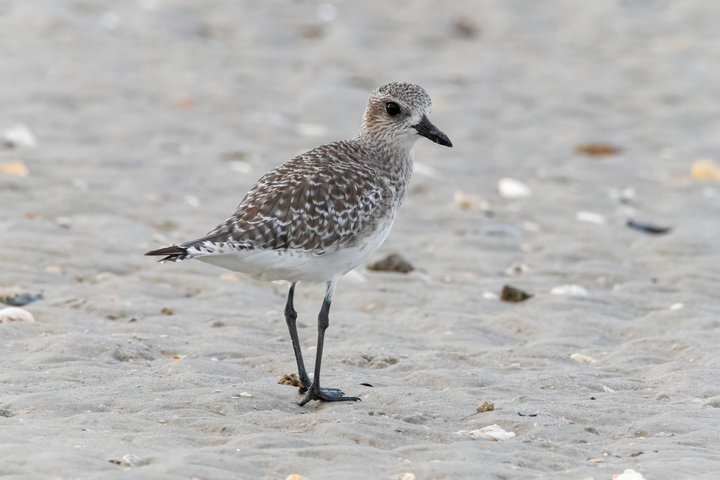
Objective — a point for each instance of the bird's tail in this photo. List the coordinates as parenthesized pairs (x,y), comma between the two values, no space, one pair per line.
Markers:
(174,253)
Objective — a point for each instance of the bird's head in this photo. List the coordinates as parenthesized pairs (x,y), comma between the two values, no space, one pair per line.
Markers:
(397,113)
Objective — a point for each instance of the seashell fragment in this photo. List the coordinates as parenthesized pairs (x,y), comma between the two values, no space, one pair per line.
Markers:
(18,299)
(15,168)
(628,474)
(511,188)
(590,217)
(15,314)
(705,170)
(471,202)
(492,432)
(404,476)
(569,290)
(19,136)
(580,358)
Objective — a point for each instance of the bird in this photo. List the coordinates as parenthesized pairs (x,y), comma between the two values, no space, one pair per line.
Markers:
(323,213)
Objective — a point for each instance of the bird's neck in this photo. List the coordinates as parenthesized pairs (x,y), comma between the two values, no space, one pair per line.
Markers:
(393,159)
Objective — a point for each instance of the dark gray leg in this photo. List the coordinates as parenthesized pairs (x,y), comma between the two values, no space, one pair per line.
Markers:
(290,318)
(315,392)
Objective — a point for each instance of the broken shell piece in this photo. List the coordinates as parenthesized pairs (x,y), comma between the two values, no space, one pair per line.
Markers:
(295,476)
(15,314)
(629,474)
(511,188)
(569,290)
(19,136)
(15,168)
(647,227)
(492,432)
(580,358)
(597,149)
(20,298)
(490,296)
(471,202)
(404,476)
(705,170)
(590,217)
(517,269)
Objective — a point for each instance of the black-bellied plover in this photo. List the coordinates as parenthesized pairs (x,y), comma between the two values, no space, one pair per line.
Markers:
(324,212)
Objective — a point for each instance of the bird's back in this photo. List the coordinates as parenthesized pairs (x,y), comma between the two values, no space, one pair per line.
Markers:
(328,198)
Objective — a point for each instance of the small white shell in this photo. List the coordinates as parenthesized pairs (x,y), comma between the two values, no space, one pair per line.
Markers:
(581,358)
(491,432)
(511,188)
(590,217)
(629,474)
(19,136)
(15,314)
(404,476)
(569,290)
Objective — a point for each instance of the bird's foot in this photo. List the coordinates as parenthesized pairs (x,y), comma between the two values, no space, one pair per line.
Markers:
(325,395)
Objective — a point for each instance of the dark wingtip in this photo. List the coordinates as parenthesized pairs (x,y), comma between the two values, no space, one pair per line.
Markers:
(172,250)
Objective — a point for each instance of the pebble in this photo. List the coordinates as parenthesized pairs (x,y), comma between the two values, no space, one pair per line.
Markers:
(511,188)
(486,407)
(295,476)
(15,314)
(513,295)
(392,263)
(569,290)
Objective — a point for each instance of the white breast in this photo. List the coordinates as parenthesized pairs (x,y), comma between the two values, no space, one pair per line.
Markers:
(294,265)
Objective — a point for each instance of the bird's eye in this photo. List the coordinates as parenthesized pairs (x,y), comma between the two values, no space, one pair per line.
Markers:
(392,108)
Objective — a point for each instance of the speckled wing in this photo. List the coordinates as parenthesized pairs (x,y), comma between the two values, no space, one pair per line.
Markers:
(321,200)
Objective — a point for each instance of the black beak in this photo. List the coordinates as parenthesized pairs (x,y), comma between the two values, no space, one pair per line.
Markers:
(431,132)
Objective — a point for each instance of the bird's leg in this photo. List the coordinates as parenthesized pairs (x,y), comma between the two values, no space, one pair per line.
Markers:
(315,392)
(291,319)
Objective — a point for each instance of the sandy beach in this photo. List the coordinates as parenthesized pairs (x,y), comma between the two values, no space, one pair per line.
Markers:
(128,126)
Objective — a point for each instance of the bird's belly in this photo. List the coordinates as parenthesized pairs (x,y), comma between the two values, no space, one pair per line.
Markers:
(297,265)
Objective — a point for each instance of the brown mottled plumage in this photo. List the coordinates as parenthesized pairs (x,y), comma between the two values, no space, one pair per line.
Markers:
(324,212)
